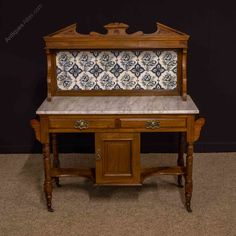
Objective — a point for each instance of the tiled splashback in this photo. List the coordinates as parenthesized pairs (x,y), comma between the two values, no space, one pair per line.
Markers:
(117,70)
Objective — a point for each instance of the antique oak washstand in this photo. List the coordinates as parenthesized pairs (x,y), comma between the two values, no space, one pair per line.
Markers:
(117,85)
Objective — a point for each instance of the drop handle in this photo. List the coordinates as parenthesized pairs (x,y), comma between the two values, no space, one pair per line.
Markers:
(81,124)
(98,156)
(152,124)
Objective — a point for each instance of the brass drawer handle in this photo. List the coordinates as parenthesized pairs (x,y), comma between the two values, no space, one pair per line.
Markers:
(81,124)
(152,124)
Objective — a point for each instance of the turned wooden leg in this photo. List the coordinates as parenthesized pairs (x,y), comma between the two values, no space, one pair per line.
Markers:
(194,129)
(188,179)
(56,161)
(48,179)
(180,161)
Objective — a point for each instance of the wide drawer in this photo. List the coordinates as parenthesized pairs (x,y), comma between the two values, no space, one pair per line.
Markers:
(81,123)
(153,123)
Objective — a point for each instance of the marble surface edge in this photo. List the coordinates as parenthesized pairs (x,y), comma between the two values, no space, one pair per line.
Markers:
(118,105)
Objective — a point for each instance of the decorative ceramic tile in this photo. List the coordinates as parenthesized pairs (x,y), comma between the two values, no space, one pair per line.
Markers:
(122,70)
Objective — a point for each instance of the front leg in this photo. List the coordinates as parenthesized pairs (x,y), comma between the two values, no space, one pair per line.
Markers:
(48,178)
(193,136)
(188,177)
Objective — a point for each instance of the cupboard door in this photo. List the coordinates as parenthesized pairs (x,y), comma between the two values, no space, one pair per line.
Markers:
(117,158)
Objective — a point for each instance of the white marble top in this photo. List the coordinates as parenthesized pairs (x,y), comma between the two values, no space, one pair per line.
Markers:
(118,105)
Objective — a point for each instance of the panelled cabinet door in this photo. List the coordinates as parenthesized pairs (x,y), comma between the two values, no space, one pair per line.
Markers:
(117,158)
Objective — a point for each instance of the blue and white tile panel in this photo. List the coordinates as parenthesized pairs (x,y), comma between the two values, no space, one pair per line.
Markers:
(117,70)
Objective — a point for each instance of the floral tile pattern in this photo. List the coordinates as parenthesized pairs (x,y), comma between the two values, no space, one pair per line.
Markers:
(123,70)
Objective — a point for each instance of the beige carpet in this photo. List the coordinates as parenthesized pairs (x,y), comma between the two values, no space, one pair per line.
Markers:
(156,208)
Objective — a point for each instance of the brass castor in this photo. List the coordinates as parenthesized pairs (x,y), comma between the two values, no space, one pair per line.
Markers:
(188,207)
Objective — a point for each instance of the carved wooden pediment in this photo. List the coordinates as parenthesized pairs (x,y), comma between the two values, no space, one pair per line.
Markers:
(117,32)
(118,29)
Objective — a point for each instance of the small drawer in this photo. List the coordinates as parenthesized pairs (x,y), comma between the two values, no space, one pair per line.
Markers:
(81,123)
(153,123)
